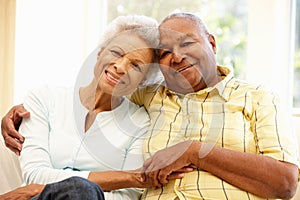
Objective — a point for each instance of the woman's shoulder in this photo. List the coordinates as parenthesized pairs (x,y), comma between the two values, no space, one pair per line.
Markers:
(48,91)
(47,97)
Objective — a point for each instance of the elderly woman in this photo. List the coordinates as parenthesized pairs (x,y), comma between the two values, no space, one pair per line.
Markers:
(100,137)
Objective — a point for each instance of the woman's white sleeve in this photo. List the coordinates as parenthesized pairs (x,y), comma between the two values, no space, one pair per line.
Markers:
(35,158)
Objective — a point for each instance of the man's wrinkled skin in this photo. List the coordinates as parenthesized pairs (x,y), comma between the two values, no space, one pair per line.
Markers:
(10,124)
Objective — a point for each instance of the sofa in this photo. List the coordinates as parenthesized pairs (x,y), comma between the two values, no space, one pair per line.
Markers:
(11,176)
(10,172)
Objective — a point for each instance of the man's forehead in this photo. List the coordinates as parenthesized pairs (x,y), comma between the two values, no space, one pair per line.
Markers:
(170,36)
(178,28)
(176,23)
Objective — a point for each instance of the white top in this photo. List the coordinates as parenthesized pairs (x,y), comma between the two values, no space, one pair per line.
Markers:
(57,148)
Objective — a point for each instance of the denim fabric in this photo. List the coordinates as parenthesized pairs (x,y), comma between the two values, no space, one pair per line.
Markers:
(75,188)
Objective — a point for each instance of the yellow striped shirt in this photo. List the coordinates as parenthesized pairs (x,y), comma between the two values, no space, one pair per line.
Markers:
(233,114)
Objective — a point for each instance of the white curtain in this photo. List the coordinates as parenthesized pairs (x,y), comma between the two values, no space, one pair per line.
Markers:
(269,52)
(7,41)
(53,38)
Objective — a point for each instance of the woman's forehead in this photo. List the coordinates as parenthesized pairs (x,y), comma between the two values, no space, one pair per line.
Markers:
(128,42)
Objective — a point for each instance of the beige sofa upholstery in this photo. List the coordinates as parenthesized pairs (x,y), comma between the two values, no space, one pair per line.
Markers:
(296,124)
(10,171)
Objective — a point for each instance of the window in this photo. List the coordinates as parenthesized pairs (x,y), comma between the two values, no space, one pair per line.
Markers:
(53,38)
(253,37)
(296,91)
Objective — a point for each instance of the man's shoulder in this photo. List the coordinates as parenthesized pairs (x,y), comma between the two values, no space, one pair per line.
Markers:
(255,90)
(246,85)
(144,95)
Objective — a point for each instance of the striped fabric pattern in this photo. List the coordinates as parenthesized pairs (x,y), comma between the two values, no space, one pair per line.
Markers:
(233,114)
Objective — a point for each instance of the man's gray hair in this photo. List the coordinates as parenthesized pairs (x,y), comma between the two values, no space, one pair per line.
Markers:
(193,17)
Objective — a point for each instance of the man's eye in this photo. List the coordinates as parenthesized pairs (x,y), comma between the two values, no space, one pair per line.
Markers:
(115,53)
(185,44)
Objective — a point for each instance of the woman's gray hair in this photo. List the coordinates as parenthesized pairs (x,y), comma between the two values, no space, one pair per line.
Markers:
(144,27)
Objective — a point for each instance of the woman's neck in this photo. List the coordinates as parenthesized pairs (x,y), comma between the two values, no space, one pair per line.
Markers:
(96,101)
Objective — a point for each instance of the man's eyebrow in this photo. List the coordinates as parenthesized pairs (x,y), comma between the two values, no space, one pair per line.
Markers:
(184,36)
(179,39)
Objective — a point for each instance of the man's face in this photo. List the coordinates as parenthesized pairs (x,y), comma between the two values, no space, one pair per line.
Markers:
(187,58)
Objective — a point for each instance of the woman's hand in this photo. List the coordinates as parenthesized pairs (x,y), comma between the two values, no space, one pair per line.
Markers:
(10,124)
(147,183)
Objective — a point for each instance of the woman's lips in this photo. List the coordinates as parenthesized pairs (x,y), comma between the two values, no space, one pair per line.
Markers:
(113,78)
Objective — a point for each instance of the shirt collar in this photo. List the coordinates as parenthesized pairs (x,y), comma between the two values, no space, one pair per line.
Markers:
(223,87)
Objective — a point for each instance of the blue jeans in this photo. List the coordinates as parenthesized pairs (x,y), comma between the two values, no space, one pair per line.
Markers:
(75,188)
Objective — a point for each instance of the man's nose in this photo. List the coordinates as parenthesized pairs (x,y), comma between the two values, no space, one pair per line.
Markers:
(177,55)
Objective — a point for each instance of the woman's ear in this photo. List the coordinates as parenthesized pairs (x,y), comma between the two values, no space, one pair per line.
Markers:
(142,82)
(99,52)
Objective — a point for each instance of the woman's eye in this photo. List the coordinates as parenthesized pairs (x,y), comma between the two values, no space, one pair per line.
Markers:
(115,53)
(164,53)
(136,67)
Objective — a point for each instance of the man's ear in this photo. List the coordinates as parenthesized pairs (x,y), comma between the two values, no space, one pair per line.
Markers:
(213,43)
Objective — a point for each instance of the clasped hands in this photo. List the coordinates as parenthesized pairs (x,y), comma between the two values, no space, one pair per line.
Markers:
(170,163)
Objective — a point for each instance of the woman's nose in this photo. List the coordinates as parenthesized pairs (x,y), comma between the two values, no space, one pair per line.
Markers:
(122,65)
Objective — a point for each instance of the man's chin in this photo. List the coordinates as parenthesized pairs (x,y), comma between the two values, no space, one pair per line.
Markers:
(181,88)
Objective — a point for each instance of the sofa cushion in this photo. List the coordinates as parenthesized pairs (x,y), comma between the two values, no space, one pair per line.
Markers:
(10,172)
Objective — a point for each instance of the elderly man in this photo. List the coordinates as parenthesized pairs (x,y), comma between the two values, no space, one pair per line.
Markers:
(232,132)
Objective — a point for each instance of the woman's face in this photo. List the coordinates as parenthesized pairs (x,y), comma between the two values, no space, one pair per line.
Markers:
(122,64)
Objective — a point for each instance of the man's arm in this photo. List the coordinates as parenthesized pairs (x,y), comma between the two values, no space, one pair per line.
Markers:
(23,193)
(10,124)
(258,174)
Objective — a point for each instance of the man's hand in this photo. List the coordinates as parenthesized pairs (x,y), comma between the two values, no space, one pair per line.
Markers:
(163,163)
(148,183)
(23,193)
(10,124)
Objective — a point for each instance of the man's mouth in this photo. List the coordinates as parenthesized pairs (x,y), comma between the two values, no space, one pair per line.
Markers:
(184,68)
